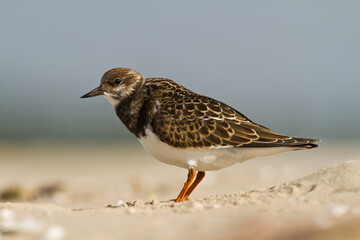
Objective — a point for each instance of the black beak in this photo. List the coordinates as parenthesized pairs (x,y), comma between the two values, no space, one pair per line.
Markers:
(97,91)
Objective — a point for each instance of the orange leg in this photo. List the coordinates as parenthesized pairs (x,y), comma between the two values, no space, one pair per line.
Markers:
(200,175)
(190,178)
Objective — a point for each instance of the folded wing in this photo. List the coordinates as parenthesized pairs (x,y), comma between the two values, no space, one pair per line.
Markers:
(189,120)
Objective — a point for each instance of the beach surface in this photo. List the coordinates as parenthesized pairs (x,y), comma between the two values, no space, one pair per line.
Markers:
(117,191)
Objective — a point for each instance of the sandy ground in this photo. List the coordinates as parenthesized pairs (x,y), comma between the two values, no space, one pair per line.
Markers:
(117,191)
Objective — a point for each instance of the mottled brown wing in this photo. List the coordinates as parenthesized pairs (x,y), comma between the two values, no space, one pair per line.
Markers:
(189,120)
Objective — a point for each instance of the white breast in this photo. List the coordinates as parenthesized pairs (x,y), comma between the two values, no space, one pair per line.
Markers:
(202,159)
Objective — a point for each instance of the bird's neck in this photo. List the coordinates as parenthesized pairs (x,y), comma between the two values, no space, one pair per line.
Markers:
(135,111)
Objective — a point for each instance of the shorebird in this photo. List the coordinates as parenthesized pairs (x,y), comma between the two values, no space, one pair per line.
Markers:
(182,128)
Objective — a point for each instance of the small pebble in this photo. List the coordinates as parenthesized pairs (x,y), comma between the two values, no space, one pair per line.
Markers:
(120,203)
(7,214)
(138,204)
(54,232)
(155,203)
(339,210)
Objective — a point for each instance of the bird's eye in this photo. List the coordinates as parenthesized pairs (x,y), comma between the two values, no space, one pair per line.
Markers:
(117,81)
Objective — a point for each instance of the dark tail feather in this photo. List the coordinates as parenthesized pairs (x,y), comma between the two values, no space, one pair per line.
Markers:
(298,143)
(306,143)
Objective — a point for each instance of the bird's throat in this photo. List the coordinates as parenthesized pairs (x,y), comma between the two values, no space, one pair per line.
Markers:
(111,100)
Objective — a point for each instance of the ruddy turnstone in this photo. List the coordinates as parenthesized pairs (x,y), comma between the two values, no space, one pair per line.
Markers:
(186,129)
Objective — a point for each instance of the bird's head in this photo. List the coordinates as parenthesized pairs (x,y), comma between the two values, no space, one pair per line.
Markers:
(117,84)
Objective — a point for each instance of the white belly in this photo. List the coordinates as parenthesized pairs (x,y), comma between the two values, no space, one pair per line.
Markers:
(202,159)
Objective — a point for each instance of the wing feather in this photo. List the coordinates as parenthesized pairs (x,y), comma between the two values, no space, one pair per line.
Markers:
(189,120)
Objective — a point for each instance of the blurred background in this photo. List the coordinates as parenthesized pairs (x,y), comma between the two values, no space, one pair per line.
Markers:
(290,65)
